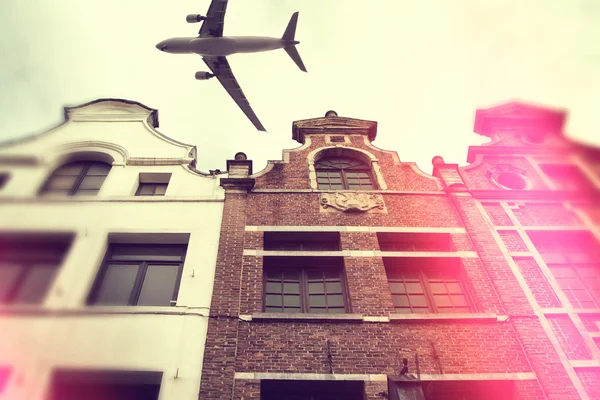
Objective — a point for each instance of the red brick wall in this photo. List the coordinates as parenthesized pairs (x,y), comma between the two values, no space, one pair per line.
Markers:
(497,214)
(590,379)
(545,215)
(512,240)
(304,209)
(569,337)
(372,348)
(537,282)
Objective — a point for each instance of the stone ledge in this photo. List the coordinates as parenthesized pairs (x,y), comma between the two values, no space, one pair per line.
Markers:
(306,317)
(462,317)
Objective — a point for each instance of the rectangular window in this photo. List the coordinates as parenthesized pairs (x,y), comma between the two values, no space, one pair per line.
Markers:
(425,285)
(139,274)
(574,260)
(28,265)
(566,177)
(404,241)
(153,184)
(302,241)
(304,285)
(467,390)
(311,390)
(105,385)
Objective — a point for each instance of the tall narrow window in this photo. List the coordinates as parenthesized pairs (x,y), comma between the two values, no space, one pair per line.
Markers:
(139,274)
(338,173)
(28,267)
(78,178)
(573,259)
(426,285)
(566,177)
(304,284)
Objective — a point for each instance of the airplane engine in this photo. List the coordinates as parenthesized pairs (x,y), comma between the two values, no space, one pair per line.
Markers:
(203,75)
(193,18)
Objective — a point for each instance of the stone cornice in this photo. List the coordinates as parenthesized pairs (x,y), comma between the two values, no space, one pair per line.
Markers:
(333,125)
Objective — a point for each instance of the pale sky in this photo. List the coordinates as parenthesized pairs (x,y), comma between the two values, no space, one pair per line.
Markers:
(418,68)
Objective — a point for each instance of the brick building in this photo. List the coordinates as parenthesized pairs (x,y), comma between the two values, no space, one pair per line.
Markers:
(341,263)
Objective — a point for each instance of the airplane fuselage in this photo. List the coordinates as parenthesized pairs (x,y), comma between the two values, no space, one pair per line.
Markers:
(222,46)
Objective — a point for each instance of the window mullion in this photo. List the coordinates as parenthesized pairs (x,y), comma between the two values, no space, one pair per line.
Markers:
(304,290)
(80,178)
(137,284)
(345,185)
(589,291)
(427,290)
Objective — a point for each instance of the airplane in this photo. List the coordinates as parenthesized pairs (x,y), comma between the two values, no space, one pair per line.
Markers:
(214,49)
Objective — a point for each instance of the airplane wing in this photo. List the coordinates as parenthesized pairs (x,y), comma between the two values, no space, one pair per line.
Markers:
(220,67)
(213,24)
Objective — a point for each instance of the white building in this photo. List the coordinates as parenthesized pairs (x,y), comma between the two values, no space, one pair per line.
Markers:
(108,244)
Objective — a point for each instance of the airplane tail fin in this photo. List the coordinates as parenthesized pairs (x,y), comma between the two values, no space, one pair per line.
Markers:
(288,35)
(290,31)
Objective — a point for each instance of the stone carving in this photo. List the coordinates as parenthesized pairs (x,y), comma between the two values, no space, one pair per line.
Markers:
(352,201)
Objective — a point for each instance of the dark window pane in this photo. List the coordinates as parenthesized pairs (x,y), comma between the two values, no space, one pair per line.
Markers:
(291,288)
(161,189)
(92,182)
(8,277)
(291,301)
(146,189)
(273,287)
(117,284)
(99,169)
(61,182)
(316,300)
(273,300)
(159,284)
(35,285)
(70,169)
(335,300)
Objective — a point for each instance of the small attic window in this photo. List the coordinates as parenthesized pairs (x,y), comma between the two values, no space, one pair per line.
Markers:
(337,139)
(153,184)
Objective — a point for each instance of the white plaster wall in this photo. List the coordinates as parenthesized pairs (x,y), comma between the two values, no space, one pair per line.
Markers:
(65,333)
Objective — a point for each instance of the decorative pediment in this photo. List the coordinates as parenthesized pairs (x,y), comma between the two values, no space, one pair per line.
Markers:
(352,202)
(333,124)
(112,109)
(518,116)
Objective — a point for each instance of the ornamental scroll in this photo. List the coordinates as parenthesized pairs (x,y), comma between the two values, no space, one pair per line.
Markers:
(352,202)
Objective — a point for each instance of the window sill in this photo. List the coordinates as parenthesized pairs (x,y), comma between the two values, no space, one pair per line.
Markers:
(39,310)
(481,317)
(305,317)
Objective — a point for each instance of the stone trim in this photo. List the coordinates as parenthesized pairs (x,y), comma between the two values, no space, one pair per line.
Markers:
(308,228)
(112,199)
(497,376)
(390,192)
(306,317)
(101,310)
(361,253)
(462,317)
(585,363)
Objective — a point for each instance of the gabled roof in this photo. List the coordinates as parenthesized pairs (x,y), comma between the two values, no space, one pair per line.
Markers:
(519,115)
(112,107)
(332,124)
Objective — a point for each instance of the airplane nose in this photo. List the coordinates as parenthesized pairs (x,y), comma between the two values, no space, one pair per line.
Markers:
(161,46)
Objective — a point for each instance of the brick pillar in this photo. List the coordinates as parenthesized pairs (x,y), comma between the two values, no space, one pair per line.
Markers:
(527,326)
(218,368)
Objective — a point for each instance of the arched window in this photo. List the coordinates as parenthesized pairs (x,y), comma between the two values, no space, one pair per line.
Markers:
(338,173)
(77,178)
